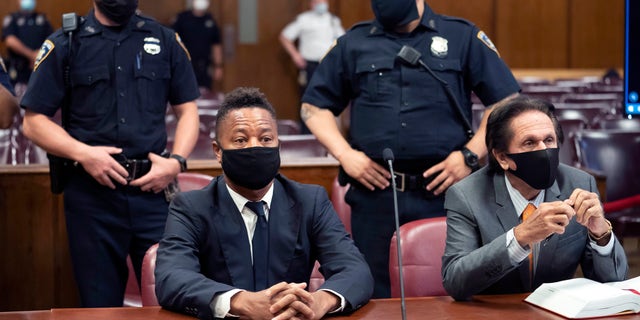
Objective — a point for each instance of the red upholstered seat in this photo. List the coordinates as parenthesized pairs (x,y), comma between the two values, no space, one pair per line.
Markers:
(344,213)
(342,207)
(132,297)
(148,278)
(422,244)
(192,181)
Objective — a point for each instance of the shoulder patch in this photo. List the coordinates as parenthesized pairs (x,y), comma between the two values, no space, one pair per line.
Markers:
(179,40)
(485,39)
(45,50)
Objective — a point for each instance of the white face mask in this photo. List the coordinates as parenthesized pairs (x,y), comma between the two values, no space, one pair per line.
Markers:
(321,8)
(27,5)
(200,5)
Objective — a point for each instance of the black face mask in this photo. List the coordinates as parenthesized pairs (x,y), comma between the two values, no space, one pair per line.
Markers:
(118,11)
(252,168)
(394,13)
(537,168)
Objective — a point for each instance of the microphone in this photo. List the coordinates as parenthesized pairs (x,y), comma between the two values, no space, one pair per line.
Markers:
(411,56)
(387,155)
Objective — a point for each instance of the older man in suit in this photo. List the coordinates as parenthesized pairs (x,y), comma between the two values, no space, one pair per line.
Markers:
(524,219)
(246,244)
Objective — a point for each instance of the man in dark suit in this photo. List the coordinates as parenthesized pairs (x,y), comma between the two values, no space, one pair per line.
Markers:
(215,259)
(526,219)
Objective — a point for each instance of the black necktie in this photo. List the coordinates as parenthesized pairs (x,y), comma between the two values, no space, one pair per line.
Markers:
(260,243)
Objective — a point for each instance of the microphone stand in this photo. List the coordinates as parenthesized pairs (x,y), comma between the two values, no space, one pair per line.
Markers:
(388,156)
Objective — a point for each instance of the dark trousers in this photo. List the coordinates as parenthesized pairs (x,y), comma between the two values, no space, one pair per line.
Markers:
(373,225)
(105,225)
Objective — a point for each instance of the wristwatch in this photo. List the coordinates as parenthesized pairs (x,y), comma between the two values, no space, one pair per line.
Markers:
(181,160)
(470,159)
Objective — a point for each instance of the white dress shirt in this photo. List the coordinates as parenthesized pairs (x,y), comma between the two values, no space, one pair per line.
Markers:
(315,33)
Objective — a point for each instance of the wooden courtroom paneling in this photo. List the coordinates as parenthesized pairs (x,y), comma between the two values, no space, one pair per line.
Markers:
(34,273)
(480,12)
(596,33)
(533,33)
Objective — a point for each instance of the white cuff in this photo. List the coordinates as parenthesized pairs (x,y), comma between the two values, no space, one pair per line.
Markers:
(221,304)
(515,251)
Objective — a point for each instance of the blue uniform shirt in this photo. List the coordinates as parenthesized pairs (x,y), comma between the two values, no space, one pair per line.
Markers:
(121,82)
(4,78)
(403,107)
(31,28)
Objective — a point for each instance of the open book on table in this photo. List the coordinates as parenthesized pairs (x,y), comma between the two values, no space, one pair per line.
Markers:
(584,298)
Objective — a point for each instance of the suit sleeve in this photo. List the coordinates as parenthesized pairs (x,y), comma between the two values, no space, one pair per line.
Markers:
(609,268)
(180,285)
(468,267)
(341,263)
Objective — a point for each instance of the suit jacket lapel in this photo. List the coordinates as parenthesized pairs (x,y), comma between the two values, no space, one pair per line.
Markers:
(547,246)
(284,222)
(508,217)
(233,238)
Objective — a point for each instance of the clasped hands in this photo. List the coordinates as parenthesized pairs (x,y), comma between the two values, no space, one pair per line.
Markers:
(283,301)
(553,217)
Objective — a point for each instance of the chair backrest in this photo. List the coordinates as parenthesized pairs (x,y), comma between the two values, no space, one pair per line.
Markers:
(132,296)
(148,278)
(422,243)
(619,124)
(301,146)
(288,127)
(342,207)
(193,181)
(615,153)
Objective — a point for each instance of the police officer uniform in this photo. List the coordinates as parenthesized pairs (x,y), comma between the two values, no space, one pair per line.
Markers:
(403,107)
(199,33)
(31,28)
(121,79)
(4,77)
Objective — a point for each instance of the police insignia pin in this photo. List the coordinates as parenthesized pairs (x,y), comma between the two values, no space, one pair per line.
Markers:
(6,21)
(439,47)
(152,45)
(485,39)
(45,50)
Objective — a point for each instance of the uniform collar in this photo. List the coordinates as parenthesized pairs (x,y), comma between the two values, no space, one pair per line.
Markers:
(428,21)
(93,27)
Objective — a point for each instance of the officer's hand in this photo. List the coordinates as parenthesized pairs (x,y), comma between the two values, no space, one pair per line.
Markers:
(97,161)
(163,171)
(366,171)
(453,169)
(547,219)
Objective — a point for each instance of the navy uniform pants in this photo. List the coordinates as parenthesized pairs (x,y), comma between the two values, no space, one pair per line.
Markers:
(105,225)
(373,225)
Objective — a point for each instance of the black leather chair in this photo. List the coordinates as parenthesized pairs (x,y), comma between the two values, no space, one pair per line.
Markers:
(616,154)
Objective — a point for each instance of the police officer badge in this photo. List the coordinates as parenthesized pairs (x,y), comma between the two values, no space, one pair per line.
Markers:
(152,45)
(439,47)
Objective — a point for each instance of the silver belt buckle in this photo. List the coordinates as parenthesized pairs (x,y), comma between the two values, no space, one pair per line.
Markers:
(401,185)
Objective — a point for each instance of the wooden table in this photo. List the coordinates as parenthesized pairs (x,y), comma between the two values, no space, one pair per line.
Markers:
(497,307)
